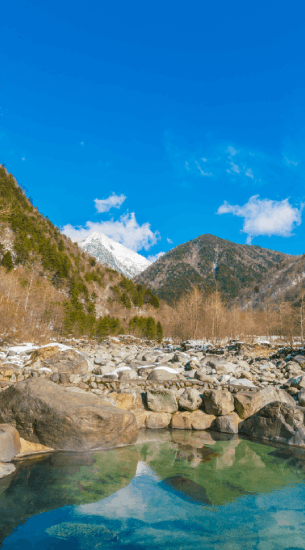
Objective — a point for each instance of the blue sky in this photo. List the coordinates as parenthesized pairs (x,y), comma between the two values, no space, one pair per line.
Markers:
(158,122)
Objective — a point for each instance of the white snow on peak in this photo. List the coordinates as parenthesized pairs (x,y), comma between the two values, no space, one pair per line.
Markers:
(114,254)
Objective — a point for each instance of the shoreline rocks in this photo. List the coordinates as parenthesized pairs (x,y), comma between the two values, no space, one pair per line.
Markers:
(122,384)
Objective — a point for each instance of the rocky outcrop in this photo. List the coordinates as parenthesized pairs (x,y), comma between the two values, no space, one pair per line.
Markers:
(46,413)
(278,422)
(9,442)
(248,403)
(218,402)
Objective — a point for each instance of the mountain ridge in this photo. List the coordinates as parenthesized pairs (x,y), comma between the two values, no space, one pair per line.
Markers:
(209,260)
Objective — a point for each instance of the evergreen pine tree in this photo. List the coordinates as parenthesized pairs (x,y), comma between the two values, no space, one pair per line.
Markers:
(151,329)
(7,261)
(159,332)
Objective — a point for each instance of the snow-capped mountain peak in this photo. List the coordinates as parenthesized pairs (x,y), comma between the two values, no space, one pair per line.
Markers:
(114,254)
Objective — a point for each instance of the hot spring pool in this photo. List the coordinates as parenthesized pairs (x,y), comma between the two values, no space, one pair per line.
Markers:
(173,489)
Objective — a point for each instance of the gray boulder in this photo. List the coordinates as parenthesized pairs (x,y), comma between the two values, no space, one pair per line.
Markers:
(300,359)
(225,368)
(218,402)
(301,398)
(279,422)
(162,401)
(227,424)
(46,413)
(9,442)
(190,400)
(129,374)
(103,360)
(204,377)
(161,375)
(297,381)
(247,403)
(104,369)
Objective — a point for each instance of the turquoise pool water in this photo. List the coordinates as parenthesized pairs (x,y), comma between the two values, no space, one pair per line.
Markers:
(181,490)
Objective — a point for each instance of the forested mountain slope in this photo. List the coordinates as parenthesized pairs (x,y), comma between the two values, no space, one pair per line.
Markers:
(208,260)
(285,283)
(47,281)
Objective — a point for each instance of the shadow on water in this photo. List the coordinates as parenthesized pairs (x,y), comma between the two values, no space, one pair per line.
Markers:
(203,468)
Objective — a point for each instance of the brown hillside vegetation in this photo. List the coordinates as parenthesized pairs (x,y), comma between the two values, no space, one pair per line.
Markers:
(207,316)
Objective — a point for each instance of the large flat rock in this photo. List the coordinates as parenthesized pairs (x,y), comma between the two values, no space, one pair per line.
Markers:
(46,413)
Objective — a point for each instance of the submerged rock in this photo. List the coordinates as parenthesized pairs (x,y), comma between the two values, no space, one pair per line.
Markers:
(85,534)
(46,413)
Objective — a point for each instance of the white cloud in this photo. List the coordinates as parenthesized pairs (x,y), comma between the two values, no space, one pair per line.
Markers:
(204,159)
(125,230)
(289,162)
(265,217)
(234,168)
(169,241)
(154,258)
(249,173)
(187,166)
(202,171)
(114,201)
(231,151)
(22,158)
(82,143)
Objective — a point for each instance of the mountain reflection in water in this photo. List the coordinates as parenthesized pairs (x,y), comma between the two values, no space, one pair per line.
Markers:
(167,488)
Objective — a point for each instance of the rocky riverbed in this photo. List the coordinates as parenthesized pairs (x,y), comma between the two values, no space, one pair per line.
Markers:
(80,395)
